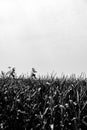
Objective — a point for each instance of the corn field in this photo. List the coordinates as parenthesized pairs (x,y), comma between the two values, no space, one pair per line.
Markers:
(44,103)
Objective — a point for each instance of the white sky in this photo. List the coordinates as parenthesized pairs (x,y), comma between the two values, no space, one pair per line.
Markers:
(49,35)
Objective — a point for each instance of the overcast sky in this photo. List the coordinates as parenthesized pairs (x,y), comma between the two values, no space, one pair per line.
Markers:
(49,35)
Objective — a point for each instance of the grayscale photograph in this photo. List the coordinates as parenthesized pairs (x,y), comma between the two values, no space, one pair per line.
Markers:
(43,65)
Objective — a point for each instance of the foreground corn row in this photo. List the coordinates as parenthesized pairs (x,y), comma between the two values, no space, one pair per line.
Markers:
(43,103)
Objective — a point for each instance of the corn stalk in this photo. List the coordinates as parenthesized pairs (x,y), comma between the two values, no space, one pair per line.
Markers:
(78,102)
(62,109)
